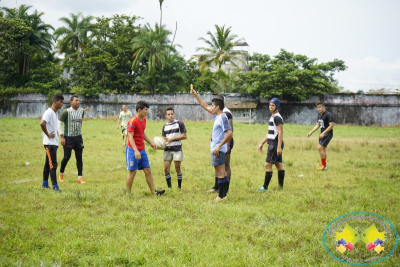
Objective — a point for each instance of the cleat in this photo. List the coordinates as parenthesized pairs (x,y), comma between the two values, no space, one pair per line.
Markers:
(261,189)
(321,168)
(159,192)
(80,181)
(61,177)
(217,199)
(212,190)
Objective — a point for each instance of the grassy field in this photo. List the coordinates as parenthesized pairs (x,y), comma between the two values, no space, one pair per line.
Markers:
(97,224)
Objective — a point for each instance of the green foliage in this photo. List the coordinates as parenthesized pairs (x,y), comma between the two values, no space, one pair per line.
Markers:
(289,76)
(48,77)
(220,48)
(96,224)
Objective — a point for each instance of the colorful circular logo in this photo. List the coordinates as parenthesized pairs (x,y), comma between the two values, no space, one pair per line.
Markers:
(360,238)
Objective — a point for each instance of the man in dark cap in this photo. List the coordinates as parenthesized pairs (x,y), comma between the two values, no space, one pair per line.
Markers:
(274,138)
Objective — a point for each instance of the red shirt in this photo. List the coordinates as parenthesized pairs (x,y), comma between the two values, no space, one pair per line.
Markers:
(137,127)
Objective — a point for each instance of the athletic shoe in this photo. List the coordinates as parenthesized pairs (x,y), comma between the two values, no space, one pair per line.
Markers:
(218,199)
(279,188)
(321,168)
(261,189)
(80,181)
(159,192)
(212,190)
(61,177)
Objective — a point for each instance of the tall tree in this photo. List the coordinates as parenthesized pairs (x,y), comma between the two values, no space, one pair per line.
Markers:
(152,48)
(220,48)
(76,35)
(39,39)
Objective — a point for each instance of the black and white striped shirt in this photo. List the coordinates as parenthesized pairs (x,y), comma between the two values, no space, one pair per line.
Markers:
(274,121)
(174,129)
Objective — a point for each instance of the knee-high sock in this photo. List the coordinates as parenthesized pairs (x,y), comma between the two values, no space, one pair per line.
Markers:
(221,187)
(179,176)
(281,177)
(268,176)
(168,179)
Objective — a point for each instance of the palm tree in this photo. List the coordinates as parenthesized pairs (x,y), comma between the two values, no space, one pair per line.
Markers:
(221,44)
(75,35)
(40,40)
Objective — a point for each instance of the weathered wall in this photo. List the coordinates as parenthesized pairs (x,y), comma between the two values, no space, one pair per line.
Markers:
(347,109)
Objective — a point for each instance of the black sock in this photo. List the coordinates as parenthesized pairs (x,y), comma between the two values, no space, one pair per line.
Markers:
(221,188)
(268,176)
(168,179)
(281,177)
(216,183)
(227,182)
(179,180)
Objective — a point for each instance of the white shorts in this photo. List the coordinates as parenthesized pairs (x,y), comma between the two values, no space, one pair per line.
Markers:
(173,155)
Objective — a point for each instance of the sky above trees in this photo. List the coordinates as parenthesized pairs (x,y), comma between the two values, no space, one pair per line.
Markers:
(362,33)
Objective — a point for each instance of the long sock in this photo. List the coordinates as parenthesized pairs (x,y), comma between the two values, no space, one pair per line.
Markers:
(323,161)
(281,177)
(168,179)
(216,183)
(45,184)
(268,176)
(179,180)
(221,187)
(227,181)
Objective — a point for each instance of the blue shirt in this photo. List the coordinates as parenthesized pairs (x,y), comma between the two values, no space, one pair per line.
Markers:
(221,124)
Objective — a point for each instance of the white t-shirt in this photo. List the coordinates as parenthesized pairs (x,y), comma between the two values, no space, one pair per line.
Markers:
(51,119)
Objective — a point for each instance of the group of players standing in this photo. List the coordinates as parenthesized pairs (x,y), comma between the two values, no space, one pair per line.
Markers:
(133,132)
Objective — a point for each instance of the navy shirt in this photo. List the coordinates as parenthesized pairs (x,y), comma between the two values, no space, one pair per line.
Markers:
(324,120)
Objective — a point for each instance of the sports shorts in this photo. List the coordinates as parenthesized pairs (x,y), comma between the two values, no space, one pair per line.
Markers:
(326,139)
(74,142)
(220,160)
(272,155)
(173,155)
(132,163)
(123,130)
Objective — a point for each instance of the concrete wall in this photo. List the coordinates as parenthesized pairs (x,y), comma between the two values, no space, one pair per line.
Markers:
(347,109)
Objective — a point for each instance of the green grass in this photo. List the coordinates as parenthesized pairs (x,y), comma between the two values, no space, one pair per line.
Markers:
(98,224)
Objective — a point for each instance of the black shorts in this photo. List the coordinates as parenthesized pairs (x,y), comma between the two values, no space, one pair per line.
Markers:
(74,142)
(326,139)
(272,155)
(231,146)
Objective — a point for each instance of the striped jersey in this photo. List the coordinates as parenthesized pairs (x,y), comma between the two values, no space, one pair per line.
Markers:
(174,129)
(274,121)
(72,120)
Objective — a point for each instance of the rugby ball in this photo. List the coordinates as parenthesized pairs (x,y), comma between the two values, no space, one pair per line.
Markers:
(160,143)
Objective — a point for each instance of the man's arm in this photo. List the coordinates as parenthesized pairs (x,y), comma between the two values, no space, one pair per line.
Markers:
(260,146)
(227,137)
(149,141)
(44,129)
(201,102)
(133,145)
(177,138)
(313,130)
(119,119)
(330,127)
(61,133)
(280,138)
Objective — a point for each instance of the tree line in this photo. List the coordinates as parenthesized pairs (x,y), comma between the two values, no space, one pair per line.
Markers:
(119,55)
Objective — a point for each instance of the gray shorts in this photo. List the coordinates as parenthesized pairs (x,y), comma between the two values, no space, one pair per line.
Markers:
(220,160)
(173,155)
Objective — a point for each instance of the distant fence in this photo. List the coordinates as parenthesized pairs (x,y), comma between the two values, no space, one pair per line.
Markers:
(346,108)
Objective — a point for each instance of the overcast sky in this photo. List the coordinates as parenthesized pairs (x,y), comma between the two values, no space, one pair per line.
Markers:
(363,33)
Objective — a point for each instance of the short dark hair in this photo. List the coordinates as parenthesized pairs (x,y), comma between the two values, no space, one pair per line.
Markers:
(320,103)
(141,105)
(72,98)
(169,108)
(218,101)
(57,98)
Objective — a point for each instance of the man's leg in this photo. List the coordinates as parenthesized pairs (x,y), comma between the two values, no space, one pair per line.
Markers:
(79,165)
(322,154)
(228,170)
(220,172)
(281,173)
(149,179)
(129,181)
(178,172)
(46,170)
(53,167)
(268,174)
(67,156)
(167,173)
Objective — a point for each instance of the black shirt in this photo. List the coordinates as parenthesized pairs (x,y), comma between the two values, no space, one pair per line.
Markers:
(324,121)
